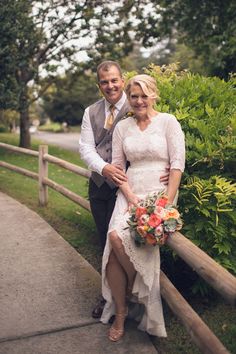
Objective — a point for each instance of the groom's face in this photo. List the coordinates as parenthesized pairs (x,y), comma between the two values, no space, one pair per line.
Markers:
(111,84)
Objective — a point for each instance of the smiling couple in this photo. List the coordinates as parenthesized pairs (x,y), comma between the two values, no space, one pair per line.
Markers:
(152,143)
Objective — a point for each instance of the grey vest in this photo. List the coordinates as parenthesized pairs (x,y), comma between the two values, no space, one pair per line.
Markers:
(103,137)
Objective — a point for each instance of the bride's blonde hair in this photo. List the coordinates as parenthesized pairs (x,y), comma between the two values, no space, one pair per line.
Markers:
(147,84)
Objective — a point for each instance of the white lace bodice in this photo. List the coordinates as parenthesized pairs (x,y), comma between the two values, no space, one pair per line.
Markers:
(149,152)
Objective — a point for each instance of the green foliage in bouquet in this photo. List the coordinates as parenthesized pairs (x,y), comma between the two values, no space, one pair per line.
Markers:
(206,110)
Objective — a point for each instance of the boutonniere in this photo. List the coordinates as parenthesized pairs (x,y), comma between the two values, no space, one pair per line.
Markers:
(128,114)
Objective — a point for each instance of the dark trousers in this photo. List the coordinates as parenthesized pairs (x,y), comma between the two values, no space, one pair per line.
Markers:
(102,202)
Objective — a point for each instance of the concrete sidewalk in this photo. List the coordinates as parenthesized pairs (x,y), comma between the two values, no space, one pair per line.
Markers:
(47,291)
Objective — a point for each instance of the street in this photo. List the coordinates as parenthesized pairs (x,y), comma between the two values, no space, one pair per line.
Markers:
(69,141)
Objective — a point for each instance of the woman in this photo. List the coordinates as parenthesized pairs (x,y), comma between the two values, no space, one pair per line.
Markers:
(150,141)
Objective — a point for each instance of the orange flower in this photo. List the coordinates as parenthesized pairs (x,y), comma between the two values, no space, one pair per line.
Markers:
(171,214)
(162,201)
(142,231)
(151,240)
(140,211)
(154,220)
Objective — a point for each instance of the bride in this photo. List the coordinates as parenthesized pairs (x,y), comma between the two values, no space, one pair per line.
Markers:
(150,141)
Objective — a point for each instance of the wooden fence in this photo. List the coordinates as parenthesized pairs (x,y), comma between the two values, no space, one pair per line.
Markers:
(214,274)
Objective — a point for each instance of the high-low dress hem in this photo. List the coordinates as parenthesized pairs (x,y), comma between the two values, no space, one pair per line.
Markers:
(149,153)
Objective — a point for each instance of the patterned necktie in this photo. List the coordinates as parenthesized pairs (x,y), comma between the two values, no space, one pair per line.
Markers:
(110,118)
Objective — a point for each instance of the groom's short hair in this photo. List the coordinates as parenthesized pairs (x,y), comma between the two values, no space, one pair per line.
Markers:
(106,65)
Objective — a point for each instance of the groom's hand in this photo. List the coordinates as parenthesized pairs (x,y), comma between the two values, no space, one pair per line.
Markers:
(114,173)
(165,177)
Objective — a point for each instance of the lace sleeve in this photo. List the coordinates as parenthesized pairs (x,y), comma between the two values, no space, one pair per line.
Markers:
(176,144)
(118,156)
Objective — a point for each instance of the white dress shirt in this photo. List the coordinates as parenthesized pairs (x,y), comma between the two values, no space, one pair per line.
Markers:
(87,147)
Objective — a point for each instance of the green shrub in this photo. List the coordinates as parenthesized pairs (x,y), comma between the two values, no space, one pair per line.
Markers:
(208,208)
(51,127)
(3,128)
(206,109)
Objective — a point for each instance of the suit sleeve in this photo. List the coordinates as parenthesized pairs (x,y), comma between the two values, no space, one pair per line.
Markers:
(87,147)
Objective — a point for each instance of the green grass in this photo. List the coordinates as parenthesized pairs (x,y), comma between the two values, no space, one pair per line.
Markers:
(220,318)
(70,220)
(77,227)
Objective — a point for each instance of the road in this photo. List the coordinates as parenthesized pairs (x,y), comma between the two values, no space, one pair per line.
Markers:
(69,141)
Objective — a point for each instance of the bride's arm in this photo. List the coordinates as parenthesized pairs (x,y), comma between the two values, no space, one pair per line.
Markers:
(176,147)
(173,185)
(131,198)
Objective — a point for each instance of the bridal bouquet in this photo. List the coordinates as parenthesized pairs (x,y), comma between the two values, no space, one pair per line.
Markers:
(152,220)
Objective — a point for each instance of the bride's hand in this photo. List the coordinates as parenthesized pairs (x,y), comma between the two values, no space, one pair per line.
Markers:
(132,201)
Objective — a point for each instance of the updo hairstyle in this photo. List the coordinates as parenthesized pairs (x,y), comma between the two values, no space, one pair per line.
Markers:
(147,84)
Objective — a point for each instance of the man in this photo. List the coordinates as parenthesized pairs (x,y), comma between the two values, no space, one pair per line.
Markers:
(96,141)
(95,146)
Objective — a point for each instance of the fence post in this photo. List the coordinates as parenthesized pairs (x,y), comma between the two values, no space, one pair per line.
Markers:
(43,173)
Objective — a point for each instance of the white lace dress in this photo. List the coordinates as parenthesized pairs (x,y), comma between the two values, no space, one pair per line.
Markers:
(149,152)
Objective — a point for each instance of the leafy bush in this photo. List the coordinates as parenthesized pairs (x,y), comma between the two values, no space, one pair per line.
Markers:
(51,127)
(206,110)
(3,128)
(208,206)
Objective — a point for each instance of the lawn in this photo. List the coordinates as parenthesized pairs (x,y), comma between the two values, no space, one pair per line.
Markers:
(77,227)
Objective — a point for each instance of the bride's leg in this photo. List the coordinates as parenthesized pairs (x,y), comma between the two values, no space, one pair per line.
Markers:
(117,281)
(123,259)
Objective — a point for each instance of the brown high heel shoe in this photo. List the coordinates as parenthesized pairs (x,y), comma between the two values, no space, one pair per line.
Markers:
(115,334)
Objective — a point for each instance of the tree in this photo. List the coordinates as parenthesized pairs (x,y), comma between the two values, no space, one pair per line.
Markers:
(38,37)
(9,89)
(8,119)
(206,26)
(137,59)
(187,59)
(66,100)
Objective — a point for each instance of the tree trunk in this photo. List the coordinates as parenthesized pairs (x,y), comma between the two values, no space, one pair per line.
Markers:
(24,119)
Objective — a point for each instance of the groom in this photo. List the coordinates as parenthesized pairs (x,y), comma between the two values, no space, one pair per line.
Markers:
(95,147)
(96,142)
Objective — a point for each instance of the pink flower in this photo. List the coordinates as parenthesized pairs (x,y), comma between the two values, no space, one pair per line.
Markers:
(158,230)
(159,211)
(154,220)
(140,211)
(162,201)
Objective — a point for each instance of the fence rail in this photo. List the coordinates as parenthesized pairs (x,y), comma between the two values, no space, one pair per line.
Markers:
(214,274)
